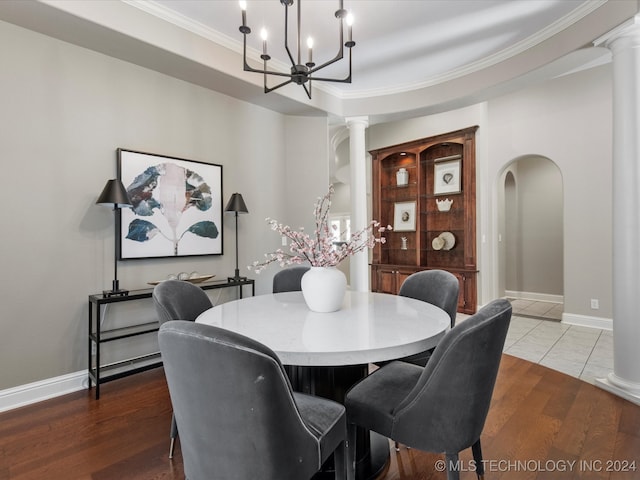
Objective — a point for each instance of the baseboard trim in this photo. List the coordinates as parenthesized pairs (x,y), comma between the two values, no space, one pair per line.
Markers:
(586,321)
(609,386)
(42,390)
(538,297)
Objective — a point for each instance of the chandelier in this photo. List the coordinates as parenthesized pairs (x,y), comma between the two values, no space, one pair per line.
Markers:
(301,73)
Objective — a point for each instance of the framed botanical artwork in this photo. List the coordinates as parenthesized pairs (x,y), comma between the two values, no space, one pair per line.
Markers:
(404,217)
(446,177)
(176,206)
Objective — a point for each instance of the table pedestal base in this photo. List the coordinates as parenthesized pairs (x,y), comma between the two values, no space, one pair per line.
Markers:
(372,450)
(371,466)
(368,467)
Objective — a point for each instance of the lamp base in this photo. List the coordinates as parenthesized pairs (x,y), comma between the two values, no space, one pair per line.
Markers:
(236,275)
(115,293)
(236,279)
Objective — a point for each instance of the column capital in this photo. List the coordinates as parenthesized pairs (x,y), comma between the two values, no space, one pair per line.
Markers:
(622,37)
(352,121)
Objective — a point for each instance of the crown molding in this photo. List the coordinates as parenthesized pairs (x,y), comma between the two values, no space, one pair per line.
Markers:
(505,54)
(185,23)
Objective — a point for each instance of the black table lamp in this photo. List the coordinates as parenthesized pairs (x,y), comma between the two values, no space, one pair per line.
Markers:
(236,205)
(114,194)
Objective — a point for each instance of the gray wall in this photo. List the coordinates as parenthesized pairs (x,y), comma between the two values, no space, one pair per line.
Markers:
(65,110)
(567,120)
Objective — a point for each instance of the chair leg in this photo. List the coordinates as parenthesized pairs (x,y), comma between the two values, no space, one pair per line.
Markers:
(453,466)
(397,445)
(339,459)
(351,451)
(173,434)
(477,458)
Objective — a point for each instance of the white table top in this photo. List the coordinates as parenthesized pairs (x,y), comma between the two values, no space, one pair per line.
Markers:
(370,327)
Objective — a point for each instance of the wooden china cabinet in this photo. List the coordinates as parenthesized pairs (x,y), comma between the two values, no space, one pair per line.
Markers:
(433,212)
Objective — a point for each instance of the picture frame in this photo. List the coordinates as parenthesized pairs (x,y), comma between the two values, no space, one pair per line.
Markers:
(176,207)
(446,177)
(404,217)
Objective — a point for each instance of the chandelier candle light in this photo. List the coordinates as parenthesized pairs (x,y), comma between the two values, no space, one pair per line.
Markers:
(321,251)
(301,73)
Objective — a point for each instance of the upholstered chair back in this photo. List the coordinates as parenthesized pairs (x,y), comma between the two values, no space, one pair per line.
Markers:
(437,287)
(448,405)
(289,279)
(179,300)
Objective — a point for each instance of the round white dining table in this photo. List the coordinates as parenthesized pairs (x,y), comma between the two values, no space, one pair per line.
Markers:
(370,327)
(334,349)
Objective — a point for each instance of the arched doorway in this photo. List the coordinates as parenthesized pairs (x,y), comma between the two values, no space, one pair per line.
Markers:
(530,237)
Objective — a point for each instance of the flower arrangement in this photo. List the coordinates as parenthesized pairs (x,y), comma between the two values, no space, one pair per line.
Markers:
(319,250)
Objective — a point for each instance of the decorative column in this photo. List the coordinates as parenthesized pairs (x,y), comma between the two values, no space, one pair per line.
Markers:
(625,46)
(359,263)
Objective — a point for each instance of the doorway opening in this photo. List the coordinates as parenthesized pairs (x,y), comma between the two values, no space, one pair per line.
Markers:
(530,237)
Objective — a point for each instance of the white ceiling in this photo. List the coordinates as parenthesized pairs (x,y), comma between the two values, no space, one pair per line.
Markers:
(412,57)
(400,45)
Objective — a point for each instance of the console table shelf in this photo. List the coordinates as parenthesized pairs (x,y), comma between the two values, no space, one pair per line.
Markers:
(124,332)
(101,373)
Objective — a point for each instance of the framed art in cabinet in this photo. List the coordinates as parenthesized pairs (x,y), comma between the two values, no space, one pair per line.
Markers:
(404,216)
(446,177)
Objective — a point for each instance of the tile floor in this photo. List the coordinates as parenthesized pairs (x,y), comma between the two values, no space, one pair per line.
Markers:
(536,334)
(531,308)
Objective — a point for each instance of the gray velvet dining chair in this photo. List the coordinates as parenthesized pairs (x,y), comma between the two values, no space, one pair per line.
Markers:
(437,287)
(238,416)
(289,279)
(178,300)
(439,408)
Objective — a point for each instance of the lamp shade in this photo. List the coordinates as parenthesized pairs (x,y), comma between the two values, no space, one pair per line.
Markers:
(236,204)
(114,194)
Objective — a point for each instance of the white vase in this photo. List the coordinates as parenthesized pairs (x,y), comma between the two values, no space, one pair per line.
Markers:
(323,289)
(402,177)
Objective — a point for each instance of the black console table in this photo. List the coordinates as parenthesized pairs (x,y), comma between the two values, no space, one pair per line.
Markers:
(99,373)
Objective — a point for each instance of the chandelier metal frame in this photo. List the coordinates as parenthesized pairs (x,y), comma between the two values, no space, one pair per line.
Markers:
(301,73)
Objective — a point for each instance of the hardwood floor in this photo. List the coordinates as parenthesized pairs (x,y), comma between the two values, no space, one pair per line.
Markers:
(539,423)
